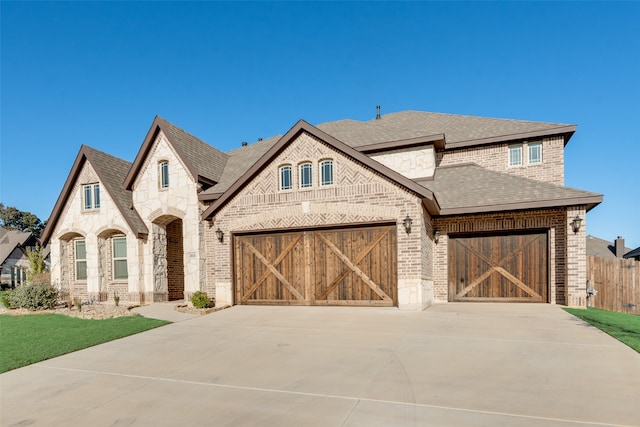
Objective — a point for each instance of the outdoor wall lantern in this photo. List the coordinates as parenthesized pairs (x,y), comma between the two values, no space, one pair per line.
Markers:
(436,236)
(220,235)
(576,223)
(407,224)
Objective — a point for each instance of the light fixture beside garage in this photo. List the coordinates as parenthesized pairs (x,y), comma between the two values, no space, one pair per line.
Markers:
(220,235)
(407,224)
(436,236)
(576,223)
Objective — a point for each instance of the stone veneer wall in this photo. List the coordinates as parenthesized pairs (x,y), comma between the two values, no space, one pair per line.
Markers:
(412,163)
(496,157)
(359,195)
(553,220)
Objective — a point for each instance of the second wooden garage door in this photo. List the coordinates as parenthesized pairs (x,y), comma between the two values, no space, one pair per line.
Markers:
(507,268)
(355,266)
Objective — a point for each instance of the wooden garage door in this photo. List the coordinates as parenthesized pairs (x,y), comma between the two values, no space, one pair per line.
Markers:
(355,266)
(499,268)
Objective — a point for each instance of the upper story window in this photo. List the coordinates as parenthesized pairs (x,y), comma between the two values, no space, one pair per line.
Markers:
(306,175)
(164,174)
(119,256)
(535,152)
(91,196)
(286,182)
(80,258)
(326,172)
(515,155)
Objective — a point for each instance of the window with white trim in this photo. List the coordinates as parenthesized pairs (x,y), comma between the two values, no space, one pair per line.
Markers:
(286,181)
(515,155)
(535,153)
(119,257)
(326,172)
(80,259)
(306,175)
(164,174)
(91,196)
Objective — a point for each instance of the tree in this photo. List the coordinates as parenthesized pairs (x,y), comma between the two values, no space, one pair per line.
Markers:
(12,218)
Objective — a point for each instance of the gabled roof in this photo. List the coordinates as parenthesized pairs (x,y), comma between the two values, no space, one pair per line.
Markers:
(469,188)
(601,248)
(204,162)
(460,131)
(111,172)
(304,127)
(633,254)
(10,240)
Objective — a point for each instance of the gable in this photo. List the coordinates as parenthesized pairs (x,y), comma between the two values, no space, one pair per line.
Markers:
(303,127)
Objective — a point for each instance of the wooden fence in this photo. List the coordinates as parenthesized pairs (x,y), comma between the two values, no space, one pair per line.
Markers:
(617,282)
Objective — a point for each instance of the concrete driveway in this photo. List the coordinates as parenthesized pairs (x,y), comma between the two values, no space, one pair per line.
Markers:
(451,365)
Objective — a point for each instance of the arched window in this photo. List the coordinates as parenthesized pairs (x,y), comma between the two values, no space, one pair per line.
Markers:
(286,182)
(326,172)
(164,174)
(306,175)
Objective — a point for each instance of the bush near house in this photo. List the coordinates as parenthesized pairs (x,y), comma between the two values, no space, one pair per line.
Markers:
(200,300)
(33,296)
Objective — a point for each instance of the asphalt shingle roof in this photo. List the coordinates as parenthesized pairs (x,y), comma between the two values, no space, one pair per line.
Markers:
(602,248)
(9,240)
(470,188)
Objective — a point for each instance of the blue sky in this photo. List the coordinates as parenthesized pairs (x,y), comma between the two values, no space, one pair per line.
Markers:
(97,73)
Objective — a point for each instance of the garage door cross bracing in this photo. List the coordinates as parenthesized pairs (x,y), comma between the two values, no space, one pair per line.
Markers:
(355,266)
(510,268)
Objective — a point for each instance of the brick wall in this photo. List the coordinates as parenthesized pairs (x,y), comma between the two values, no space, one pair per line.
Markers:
(359,195)
(175,263)
(496,157)
(553,220)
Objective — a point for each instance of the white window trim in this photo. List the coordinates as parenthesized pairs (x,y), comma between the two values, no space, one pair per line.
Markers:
(161,174)
(76,260)
(321,171)
(280,183)
(114,258)
(514,165)
(94,189)
(534,144)
(300,175)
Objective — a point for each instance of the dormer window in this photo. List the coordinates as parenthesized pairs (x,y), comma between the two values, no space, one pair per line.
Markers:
(164,174)
(515,155)
(306,175)
(91,196)
(286,182)
(326,172)
(535,153)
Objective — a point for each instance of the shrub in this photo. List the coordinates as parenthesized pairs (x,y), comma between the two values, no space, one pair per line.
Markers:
(200,300)
(78,303)
(4,299)
(34,296)
(44,278)
(116,298)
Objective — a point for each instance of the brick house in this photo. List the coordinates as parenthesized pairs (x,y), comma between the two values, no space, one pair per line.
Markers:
(404,210)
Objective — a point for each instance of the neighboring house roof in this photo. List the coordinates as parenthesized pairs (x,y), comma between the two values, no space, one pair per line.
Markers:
(304,127)
(469,188)
(633,254)
(459,130)
(10,240)
(204,162)
(601,248)
(111,172)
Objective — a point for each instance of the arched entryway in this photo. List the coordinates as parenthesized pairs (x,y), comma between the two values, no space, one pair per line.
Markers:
(168,258)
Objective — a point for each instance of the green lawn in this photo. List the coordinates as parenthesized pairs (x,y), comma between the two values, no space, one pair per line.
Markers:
(32,338)
(622,326)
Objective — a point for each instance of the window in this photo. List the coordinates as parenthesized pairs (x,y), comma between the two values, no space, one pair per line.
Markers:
(119,255)
(91,195)
(285,178)
(535,153)
(164,174)
(515,155)
(326,172)
(306,175)
(81,259)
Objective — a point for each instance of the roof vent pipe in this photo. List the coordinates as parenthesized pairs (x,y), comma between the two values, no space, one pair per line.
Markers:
(244,143)
(619,247)
(377,112)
